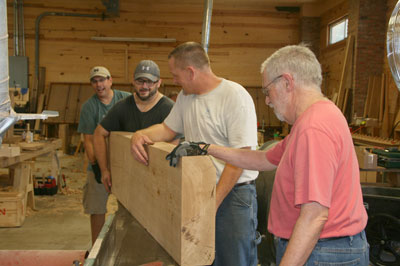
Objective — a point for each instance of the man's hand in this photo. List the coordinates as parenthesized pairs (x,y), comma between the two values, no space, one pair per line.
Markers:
(106,179)
(186,148)
(97,172)
(137,147)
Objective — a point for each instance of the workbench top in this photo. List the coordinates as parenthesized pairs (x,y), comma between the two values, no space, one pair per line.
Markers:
(49,146)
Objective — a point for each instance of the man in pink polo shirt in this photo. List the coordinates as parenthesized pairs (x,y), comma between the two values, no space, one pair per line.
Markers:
(317,213)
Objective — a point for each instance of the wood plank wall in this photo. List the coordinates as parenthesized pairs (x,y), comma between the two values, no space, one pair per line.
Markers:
(243,35)
(332,57)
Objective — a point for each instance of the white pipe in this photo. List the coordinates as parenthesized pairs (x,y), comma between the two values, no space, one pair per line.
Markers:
(205,33)
(4,96)
(7,117)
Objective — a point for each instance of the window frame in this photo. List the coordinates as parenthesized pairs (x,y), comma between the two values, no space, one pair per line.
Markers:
(335,23)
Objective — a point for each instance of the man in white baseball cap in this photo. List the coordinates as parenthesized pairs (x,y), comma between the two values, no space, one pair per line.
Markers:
(93,110)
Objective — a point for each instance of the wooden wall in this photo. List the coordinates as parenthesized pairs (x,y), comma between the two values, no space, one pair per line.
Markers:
(332,56)
(243,35)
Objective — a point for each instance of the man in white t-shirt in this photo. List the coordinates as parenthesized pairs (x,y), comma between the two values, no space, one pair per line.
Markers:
(218,111)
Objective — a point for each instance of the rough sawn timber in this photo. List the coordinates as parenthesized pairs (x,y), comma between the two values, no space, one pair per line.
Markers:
(175,205)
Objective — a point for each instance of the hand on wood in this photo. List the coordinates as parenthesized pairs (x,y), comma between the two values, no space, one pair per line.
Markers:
(137,147)
(186,148)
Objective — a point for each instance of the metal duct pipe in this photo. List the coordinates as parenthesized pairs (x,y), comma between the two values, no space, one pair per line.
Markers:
(205,33)
(19,33)
(21,12)
(16,28)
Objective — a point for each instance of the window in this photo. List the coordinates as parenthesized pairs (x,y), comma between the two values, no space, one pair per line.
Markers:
(338,30)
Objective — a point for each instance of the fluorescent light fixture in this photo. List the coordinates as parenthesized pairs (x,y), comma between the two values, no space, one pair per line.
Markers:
(128,39)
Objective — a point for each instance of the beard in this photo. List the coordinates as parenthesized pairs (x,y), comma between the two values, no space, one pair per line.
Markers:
(277,113)
(280,107)
(146,98)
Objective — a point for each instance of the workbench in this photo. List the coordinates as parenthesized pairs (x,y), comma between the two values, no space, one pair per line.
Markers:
(389,176)
(50,146)
(13,203)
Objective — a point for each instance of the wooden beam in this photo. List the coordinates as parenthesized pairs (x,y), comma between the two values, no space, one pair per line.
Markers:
(63,134)
(175,205)
(382,98)
(385,123)
(373,108)
(345,80)
(39,110)
(369,95)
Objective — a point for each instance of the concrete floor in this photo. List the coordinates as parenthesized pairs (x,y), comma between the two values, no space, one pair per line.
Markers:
(59,222)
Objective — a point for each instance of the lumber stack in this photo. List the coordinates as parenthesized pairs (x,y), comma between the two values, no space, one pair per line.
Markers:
(175,205)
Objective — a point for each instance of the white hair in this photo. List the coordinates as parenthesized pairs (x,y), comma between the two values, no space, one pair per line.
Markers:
(297,60)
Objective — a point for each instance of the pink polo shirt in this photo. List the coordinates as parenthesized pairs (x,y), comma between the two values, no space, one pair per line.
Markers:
(317,163)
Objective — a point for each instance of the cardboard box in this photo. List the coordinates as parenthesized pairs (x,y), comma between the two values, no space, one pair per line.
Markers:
(366,159)
(368,176)
(12,209)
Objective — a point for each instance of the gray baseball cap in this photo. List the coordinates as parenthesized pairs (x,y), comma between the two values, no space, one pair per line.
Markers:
(147,69)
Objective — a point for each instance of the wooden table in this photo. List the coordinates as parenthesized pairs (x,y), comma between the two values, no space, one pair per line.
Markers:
(20,167)
(392,175)
(50,147)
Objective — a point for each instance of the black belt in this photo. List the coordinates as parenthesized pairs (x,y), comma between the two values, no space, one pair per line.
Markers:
(252,182)
(323,239)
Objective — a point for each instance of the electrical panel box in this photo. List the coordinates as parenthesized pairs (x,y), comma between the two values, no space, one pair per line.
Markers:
(18,71)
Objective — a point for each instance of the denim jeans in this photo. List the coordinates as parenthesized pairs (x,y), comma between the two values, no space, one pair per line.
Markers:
(236,237)
(351,250)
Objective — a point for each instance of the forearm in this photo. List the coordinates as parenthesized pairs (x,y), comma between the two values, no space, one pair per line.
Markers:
(158,132)
(305,234)
(244,158)
(227,181)
(100,150)
(89,150)
(148,136)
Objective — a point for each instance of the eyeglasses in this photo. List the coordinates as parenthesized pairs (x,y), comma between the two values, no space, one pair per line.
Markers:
(265,89)
(148,82)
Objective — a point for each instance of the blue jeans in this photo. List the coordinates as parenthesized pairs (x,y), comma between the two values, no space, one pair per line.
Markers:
(351,250)
(236,237)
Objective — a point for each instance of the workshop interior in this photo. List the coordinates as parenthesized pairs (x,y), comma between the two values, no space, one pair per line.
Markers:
(47,49)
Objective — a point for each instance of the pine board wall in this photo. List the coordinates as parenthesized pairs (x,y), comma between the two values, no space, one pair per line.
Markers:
(243,35)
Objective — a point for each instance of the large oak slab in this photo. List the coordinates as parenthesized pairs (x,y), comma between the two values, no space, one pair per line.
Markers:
(175,205)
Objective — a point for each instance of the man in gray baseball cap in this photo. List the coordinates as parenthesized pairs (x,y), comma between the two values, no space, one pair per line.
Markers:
(147,69)
(147,79)
(146,107)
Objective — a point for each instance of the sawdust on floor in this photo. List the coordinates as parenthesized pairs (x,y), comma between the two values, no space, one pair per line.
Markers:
(72,168)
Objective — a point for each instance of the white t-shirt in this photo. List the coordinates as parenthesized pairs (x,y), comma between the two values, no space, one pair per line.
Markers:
(225,116)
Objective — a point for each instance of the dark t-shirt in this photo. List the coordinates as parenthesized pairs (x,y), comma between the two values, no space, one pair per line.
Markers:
(125,116)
